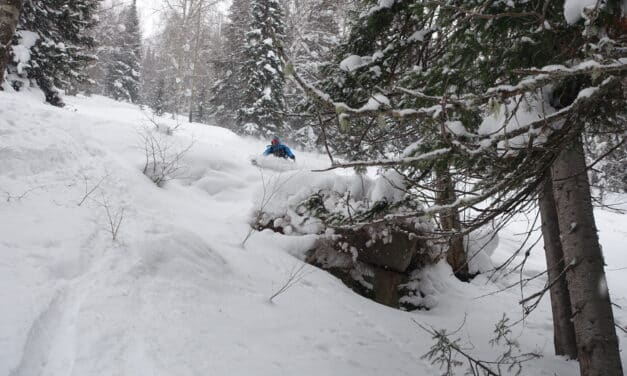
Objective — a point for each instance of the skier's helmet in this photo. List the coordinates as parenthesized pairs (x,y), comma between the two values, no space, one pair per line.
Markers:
(275,140)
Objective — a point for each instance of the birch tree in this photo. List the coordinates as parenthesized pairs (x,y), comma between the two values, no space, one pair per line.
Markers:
(183,47)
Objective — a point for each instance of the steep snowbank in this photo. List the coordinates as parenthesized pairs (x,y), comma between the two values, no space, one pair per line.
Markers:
(176,293)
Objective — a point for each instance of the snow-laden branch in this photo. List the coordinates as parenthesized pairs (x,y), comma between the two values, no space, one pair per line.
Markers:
(379,104)
(433,98)
(390,162)
(586,67)
(356,62)
(488,142)
(460,202)
(549,73)
(479,12)
(371,109)
(538,78)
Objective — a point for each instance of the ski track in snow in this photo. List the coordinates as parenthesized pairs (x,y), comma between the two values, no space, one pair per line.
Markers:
(177,294)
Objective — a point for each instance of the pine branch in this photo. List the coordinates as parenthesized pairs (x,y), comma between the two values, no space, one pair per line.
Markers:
(589,96)
(390,162)
(479,14)
(589,67)
(440,336)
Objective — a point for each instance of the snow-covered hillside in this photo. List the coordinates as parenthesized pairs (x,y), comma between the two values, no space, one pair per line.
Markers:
(177,294)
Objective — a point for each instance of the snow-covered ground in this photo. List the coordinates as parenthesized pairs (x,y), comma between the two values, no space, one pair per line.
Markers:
(177,294)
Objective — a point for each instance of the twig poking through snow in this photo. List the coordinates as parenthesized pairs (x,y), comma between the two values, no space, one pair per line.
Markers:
(114,219)
(296,275)
(20,196)
(88,191)
(267,194)
(446,346)
(162,162)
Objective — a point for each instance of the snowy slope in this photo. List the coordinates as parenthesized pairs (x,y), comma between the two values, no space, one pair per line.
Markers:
(176,293)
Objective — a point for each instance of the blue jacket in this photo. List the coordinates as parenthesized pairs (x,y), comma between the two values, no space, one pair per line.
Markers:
(279,150)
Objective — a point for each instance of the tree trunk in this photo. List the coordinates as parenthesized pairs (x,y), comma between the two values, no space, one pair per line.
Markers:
(597,343)
(9,17)
(563,329)
(449,221)
(192,97)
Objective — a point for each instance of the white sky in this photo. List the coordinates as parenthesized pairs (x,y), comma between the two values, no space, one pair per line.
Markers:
(149,14)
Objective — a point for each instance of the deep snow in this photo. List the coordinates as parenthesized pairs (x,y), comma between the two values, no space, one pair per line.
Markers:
(177,294)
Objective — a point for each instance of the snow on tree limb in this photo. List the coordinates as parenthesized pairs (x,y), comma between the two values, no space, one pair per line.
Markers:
(390,162)
(541,78)
(375,107)
(586,96)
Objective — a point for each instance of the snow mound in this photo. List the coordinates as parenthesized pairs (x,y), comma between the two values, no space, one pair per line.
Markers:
(273,163)
(573,9)
(28,161)
(480,245)
(179,256)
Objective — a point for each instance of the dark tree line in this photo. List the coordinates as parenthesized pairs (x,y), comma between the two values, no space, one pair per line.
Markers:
(51,46)
(9,17)
(252,94)
(122,59)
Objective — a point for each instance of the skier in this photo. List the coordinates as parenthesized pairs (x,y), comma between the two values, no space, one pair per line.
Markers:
(279,150)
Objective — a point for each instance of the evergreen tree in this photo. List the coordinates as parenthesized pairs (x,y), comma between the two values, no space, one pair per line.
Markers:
(123,73)
(456,99)
(9,17)
(200,110)
(264,105)
(607,154)
(150,78)
(373,57)
(157,102)
(541,34)
(228,92)
(312,33)
(56,35)
(105,32)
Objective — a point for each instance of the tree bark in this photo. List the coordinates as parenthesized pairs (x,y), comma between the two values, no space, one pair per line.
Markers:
(597,343)
(9,17)
(449,221)
(195,61)
(563,329)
